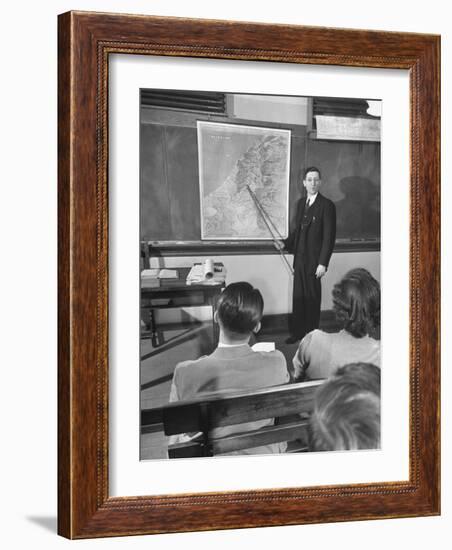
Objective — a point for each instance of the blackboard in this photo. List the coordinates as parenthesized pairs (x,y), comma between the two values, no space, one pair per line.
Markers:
(351,179)
(170,206)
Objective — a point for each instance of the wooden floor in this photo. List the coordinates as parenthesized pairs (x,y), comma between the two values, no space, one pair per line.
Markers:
(157,365)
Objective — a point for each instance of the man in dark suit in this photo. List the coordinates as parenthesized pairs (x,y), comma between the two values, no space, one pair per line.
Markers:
(311,242)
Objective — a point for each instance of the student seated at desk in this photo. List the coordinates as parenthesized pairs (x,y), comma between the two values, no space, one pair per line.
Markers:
(233,366)
(356,302)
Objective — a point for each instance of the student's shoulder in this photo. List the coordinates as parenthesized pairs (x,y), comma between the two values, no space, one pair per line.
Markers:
(272,367)
(314,336)
(190,364)
(272,357)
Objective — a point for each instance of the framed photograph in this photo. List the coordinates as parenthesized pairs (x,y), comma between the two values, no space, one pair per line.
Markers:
(195,158)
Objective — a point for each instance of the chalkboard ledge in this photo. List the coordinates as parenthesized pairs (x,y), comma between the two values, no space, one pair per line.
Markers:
(236,248)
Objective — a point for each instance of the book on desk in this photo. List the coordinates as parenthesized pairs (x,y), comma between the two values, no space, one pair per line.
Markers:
(150,278)
(208,273)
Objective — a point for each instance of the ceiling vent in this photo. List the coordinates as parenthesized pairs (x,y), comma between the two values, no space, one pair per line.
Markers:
(203,102)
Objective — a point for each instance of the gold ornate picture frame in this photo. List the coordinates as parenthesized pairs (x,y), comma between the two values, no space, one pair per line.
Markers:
(86,40)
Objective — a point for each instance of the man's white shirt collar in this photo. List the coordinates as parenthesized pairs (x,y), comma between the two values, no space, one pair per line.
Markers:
(221,345)
(311,199)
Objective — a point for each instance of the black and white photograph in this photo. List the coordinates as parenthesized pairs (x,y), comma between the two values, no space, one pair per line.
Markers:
(169,383)
(260,232)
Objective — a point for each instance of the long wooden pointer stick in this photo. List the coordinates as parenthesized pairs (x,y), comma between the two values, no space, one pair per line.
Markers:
(265,216)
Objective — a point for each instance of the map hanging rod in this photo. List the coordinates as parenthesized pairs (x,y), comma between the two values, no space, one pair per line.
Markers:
(268,221)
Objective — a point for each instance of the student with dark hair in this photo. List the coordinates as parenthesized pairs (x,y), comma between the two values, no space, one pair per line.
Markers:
(346,413)
(356,302)
(311,241)
(233,366)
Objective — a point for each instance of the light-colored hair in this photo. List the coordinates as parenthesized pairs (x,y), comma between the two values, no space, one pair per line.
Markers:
(346,413)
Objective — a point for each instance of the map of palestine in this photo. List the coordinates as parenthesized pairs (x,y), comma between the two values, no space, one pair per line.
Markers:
(244,176)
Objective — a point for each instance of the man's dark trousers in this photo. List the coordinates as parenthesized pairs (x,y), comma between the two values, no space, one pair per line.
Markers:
(307,295)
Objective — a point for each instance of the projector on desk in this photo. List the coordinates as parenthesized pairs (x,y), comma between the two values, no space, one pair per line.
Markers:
(207,273)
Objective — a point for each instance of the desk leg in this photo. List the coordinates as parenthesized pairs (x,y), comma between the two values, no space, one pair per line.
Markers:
(154,335)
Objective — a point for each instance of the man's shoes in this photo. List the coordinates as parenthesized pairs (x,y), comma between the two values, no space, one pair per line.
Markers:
(292,339)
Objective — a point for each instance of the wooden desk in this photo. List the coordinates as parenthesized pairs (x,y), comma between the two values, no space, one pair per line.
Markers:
(175,293)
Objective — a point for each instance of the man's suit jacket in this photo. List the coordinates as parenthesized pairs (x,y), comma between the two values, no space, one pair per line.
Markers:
(312,239)
(231,369)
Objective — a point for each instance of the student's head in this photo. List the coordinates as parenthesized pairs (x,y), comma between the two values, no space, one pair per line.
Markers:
(365,376)
(239,311)
(312,180)
(346,413)
(356,302)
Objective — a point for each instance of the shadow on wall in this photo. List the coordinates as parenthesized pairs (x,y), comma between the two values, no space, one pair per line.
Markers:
(49,523)
(358,213)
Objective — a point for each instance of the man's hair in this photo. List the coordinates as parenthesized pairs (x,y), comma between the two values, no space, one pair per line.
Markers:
(346,414)
(240,308)
(356,302)
(311,169)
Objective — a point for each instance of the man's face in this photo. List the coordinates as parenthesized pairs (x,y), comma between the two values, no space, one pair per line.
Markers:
(312,182)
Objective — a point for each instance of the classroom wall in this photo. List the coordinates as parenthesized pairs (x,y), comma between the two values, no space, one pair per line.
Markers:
(269,274)
(170,177)
(169,170)
(292,110)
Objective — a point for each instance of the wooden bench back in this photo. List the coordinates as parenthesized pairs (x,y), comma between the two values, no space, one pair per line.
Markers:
(228,409)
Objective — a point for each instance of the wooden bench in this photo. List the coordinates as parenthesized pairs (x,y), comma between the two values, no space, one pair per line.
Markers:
(289,404)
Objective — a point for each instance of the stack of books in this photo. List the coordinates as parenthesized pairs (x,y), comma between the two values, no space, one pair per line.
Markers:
(150,278)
